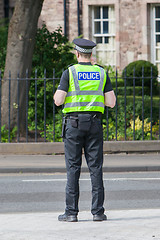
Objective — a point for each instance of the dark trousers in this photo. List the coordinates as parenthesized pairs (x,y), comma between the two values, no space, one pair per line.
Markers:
(92,142)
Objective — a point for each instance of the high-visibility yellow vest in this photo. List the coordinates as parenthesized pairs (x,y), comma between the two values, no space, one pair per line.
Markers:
(86,86)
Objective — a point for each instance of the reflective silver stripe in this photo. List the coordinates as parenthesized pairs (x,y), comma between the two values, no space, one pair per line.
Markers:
(84,104)
(75,78)
(73,93)
(101,79)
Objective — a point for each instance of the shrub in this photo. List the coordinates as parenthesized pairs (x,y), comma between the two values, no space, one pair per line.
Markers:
(128,72)
(50,134)
(52,50)
(129,119)
(5,134)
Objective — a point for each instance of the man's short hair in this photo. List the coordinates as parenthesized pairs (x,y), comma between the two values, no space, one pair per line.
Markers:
(85,55)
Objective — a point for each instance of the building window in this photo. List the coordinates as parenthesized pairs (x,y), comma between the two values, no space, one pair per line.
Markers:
(155,36)
(103,33)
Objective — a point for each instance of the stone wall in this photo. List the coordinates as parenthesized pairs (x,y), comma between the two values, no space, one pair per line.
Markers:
(131,30)
(73,22)
(52,14)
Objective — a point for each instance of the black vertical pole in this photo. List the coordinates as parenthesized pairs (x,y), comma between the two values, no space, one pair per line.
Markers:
(36,105)
(9,107)
(125,101)
(0,104)
(6,9)
(45,105)
(107,117)
(116,103)
(151,98)
(62,104)
(53,106)
(78,17)
(27,105)
(18,107)
(159,111)
(134,104)
(65,18)
(142,103)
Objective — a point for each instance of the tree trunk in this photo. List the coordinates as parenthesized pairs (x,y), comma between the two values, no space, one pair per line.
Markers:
(21,40)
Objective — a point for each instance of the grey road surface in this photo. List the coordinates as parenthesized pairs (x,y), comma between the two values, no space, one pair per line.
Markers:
(56,163)
(46,192)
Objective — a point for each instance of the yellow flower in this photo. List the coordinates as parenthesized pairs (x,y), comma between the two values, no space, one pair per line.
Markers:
(138,124)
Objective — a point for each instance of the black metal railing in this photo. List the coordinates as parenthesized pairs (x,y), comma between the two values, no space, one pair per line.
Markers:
(136,115)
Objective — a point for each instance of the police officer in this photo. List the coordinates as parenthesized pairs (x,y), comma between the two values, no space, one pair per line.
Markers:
(84,89)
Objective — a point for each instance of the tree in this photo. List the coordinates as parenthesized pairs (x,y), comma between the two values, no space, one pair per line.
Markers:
(20,46)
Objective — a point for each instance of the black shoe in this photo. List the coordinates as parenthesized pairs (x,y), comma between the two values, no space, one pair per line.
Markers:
(67,218)
(98,217)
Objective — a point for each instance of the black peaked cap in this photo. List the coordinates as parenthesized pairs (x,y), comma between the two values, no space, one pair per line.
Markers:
(83,45)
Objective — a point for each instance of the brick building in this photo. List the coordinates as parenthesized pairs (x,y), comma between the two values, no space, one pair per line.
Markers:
(124,30)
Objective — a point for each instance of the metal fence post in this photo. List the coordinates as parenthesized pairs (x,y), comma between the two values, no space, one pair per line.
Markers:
(18,107)
(53,106)
(151,98)
(0,104)
(107,117)
(36,105)
(116,103)
(125,102)
(142,103)
(9,106)
(27,105)
(134,104)
(45,105)
(159,111)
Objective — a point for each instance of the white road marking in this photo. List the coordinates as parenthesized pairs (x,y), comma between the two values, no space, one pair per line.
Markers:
(87,179)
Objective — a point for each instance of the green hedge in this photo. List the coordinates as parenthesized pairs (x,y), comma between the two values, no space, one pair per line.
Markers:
(136,69)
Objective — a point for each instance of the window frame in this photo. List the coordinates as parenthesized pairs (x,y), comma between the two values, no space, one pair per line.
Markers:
(110,35)
(154,47)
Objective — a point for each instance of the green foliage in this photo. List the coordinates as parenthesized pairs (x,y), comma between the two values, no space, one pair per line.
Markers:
(120,82)
(128,72)
(3,43)
(129,130)
(52,50)
(50,129)
(129,119)
(5,133)
(130,90)
(40,101)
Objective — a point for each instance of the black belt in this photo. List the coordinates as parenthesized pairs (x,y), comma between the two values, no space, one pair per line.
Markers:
(94,114)
(76,116)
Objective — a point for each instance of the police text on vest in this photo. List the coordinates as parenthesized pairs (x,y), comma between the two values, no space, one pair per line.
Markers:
(88,76)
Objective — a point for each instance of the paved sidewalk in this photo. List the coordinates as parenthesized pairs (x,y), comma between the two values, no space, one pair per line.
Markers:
(121,225)
(56,163)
